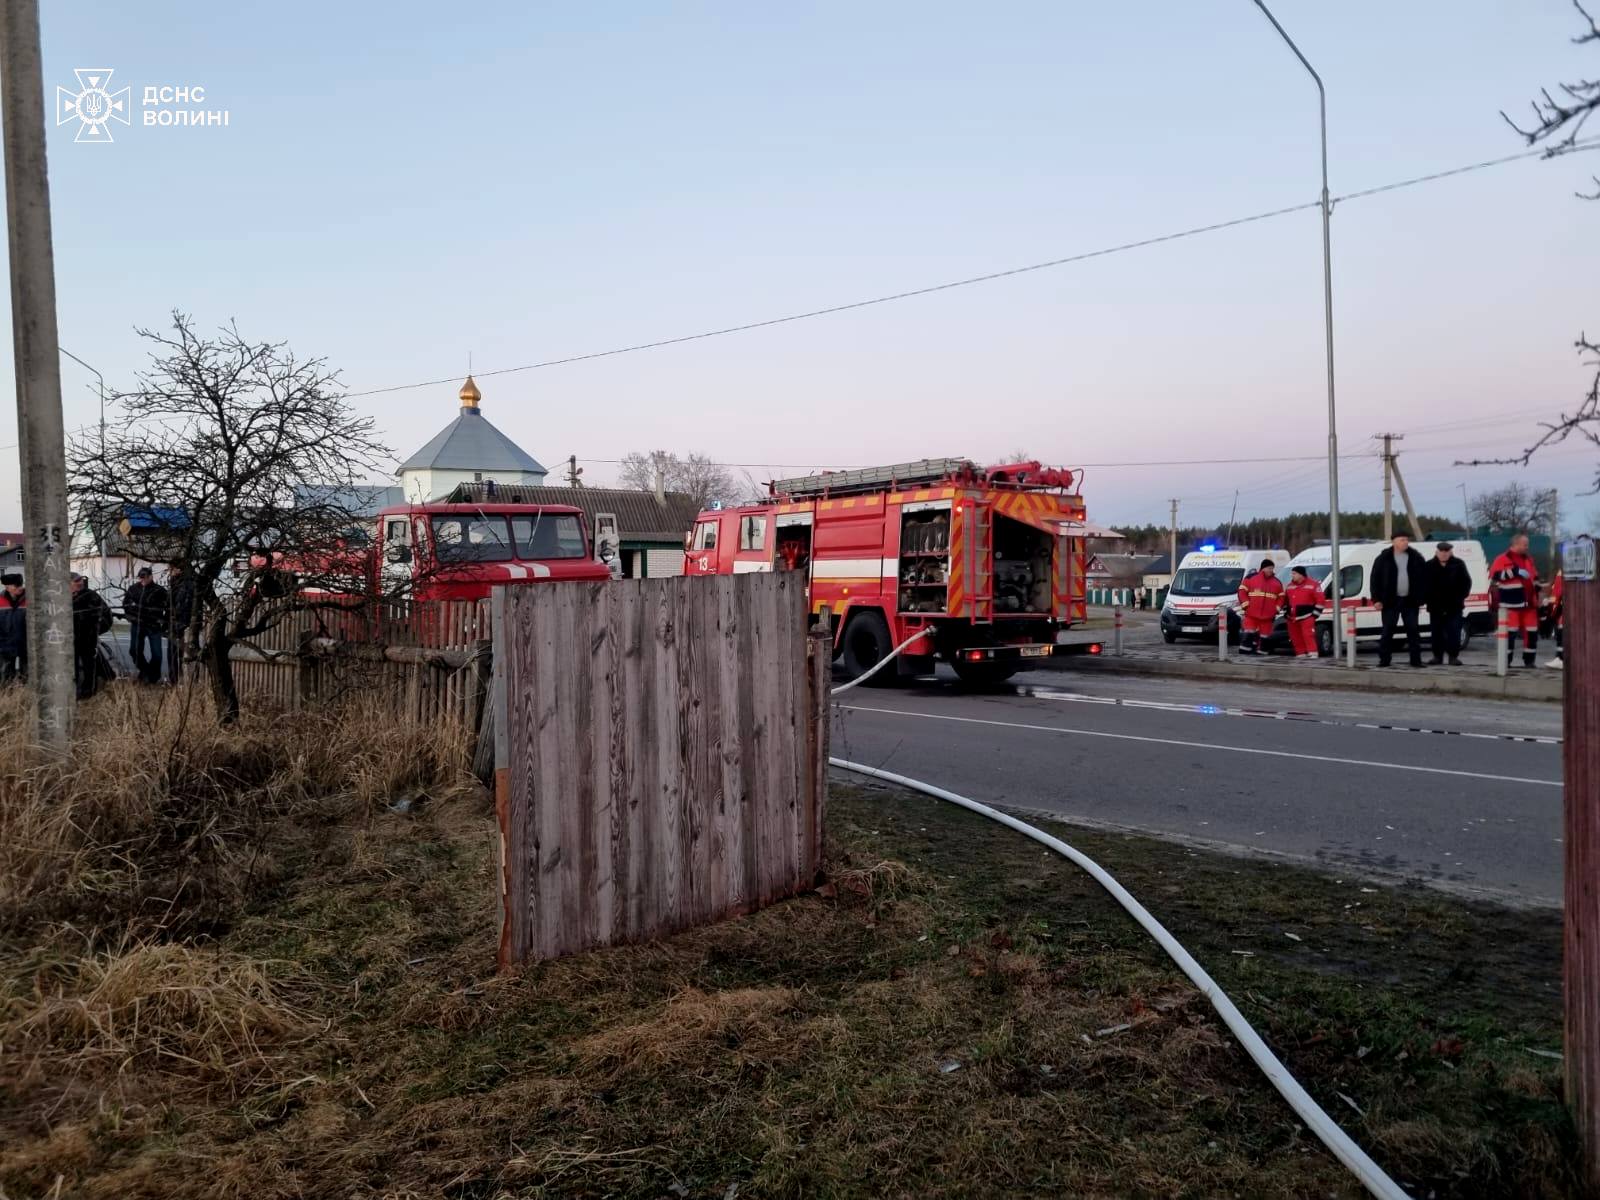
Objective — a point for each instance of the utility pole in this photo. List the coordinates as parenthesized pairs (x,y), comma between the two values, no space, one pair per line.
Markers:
(1327,320)
(573,471)
(1466,512)
(1392,476)
(1172,558)
(38,368)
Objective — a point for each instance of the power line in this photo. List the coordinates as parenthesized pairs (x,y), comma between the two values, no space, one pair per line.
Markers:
(991,276)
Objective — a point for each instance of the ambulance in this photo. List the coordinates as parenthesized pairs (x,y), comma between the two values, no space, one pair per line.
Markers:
(1355,568)
(1206,586)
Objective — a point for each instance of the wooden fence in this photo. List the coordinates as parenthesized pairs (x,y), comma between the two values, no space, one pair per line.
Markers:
(429,659)
(661,751)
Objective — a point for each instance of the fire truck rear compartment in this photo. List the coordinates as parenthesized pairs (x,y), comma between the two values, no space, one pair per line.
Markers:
(1021,567)
(925,561)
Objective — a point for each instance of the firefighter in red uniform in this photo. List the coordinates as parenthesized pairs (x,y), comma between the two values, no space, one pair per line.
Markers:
(1304,598)
(1515,580)
(1261,595)
(1558,617)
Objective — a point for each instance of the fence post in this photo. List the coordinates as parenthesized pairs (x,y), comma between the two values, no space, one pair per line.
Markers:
(819,672)
(1350,634)
(1222,634)
(1580,755)
(1502,635)
(306,691)
(1116,631)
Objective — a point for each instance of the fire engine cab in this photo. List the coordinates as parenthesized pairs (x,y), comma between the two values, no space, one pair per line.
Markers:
(460,551)
(988,563)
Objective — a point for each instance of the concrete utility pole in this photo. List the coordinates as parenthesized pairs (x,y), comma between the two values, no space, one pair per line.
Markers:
(1580,761)
(1327,317)
(1172,558)
(1392,476)
(39,424)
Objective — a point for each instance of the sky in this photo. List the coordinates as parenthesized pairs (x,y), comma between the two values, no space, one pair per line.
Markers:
(401,188)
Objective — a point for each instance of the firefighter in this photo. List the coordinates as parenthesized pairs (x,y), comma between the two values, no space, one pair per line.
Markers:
(1304,600)
(13,629)
(1558,617)
(1261,595)
(1514,578)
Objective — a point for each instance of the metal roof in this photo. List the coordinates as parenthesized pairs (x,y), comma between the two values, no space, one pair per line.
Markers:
(471,443)
(639,517)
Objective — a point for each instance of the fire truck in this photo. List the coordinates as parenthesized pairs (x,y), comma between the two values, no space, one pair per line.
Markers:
(989,561)
(460,551)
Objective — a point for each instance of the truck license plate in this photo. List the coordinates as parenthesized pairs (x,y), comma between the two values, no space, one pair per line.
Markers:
(1034,651)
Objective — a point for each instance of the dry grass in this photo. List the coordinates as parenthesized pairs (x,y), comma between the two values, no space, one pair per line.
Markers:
(684,1027)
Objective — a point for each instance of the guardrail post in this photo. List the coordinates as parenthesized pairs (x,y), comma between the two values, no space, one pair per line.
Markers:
(1350,634)
(1116,631)
(1222,634)
(1502,636)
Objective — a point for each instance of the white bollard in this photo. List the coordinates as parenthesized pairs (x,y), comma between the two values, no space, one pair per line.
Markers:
(1350,633)
(1502,640)
(1222,634)
(1116,631)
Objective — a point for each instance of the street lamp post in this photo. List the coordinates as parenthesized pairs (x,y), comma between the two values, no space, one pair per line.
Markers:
(1327,305)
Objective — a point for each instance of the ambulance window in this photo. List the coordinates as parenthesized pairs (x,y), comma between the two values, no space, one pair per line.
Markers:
(752,532)
(705,535)
(1350,581)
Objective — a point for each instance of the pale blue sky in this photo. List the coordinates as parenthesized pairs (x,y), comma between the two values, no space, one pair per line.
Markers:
(402,184)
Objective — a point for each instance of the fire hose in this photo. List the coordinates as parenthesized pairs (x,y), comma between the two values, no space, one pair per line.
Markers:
(1339,1143)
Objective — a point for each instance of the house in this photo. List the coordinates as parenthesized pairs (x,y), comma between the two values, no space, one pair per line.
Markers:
(1159,573)
(10,552)
(109,547)
(1123,570)
(468,450)
(651,525)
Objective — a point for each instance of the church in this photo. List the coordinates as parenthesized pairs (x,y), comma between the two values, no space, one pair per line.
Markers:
(468,450)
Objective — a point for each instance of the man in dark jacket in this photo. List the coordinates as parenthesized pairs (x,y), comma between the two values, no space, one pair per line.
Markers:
(13,630)
(1448,584)
(180,586)
(146,607)
(91,616)
(1398,583)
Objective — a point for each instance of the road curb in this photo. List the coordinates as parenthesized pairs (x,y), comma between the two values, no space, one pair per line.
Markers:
(1432,680)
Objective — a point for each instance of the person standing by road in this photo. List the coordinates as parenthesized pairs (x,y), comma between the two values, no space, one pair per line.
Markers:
(1514,579)
(1558,618)
(1398,580)
(1447,584)
(145,606)
(91,616)
(13,629)
(180,587)
(1261,596)
(1304,600)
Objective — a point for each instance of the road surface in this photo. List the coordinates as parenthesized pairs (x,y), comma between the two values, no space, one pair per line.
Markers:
(1458,793)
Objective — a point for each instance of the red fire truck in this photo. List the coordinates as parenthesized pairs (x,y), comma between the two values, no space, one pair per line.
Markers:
(460,551)
(989,561)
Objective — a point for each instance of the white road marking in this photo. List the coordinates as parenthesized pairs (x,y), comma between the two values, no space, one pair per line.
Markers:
(1133,737)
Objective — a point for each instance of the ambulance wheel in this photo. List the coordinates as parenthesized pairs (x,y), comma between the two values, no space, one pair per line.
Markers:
(983,674)
(1169,638)
(1325,640)
(866,644)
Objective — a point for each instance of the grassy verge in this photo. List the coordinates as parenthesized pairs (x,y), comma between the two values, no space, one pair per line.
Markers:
(955,1014)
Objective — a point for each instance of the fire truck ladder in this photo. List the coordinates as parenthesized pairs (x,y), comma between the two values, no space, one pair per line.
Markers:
(872,479)
(980,562)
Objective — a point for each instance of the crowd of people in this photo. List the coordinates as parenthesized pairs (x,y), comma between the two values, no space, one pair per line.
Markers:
(1403,583)
(158,618)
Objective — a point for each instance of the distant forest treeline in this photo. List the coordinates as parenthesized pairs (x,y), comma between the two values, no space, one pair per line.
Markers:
(1293,533)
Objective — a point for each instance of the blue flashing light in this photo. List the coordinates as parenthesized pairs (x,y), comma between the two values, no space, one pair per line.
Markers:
(1208,549)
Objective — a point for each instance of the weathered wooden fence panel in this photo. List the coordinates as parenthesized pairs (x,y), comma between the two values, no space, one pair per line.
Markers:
(451,685)
(661,756)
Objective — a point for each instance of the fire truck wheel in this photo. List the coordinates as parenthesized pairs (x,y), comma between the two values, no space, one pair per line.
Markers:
(985,674)
(866,643)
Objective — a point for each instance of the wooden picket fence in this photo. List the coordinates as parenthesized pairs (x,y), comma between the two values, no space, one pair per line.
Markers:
(661,752)
(428,659)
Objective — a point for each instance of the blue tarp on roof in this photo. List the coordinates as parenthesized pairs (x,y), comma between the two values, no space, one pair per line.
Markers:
(155,516)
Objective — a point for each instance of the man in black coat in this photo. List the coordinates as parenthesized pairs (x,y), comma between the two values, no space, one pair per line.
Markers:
(145,605)
(1448,585)
(1398,583)
(91,616)
(13,629)
(180,587)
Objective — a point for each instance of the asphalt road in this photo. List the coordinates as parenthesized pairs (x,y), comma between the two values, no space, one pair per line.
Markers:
(1460,794)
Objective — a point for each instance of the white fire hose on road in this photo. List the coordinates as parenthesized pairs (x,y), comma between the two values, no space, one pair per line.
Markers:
(1342,1146)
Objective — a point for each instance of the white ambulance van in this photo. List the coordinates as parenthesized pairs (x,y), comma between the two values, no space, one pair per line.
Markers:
(1206,585)
(1355,565)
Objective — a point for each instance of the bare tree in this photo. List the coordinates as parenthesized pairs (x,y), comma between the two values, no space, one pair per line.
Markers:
(263,470)
(1515,508)
(694,474)
(1558,120)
